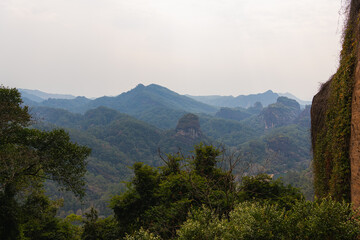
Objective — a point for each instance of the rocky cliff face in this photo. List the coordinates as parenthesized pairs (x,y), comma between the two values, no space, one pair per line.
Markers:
(335,122)
(355,139)
(281,113)
(189,126)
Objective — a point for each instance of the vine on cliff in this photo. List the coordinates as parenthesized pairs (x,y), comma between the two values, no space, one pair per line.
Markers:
(331,154)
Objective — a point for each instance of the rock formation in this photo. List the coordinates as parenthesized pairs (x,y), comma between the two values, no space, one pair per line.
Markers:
(281,113)
(335,121)
(189,126)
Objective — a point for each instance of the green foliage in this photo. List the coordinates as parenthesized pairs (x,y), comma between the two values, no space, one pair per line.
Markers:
(256,221)
(263,188)
(40,220)
(205,160)
(302,180)
(322,219)
(159,199)
(99,229)
(142,234)
(202,224)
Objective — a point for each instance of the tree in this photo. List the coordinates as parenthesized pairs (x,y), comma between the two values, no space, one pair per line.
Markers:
(263,188)
(28,157)
(158,199)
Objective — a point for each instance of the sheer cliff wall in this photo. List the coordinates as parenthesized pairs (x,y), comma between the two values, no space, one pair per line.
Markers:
(335,124)
(355,138)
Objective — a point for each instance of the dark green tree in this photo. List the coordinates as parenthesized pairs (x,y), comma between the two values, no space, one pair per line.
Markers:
(159,199)
(95,228)
(264,189)
(28,157)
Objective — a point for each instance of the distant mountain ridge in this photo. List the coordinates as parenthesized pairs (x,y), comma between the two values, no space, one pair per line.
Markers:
(156,105)
(246,101)
(243,101)
(39,96)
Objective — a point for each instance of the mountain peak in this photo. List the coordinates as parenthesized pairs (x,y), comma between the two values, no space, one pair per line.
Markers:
(269,92)
(140,85)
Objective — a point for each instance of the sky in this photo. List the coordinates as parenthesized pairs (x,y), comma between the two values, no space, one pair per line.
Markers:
(199,47)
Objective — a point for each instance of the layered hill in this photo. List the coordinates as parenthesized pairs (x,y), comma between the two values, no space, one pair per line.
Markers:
(244,101)
(146,103)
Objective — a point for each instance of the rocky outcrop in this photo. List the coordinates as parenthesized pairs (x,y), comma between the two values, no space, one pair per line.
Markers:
(281,113)
(189,126)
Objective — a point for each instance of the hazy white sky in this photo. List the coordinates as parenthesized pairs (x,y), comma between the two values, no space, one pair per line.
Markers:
(199,47)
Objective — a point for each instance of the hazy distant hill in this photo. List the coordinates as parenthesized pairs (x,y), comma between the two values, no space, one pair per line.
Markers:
(76,105)
(154,104)
(158,105)
(39,96)
(243,101)
(142,98)
(291,96)
(246,101)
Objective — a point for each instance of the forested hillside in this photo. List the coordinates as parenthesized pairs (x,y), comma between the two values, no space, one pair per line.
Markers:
(117,141)
(274,139)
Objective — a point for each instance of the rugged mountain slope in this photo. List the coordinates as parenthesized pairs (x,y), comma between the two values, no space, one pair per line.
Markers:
(335,121)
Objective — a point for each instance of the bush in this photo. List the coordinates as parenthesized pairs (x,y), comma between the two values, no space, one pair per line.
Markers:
(142,235)
(322,219)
